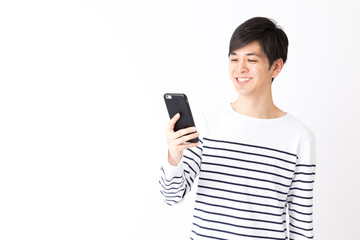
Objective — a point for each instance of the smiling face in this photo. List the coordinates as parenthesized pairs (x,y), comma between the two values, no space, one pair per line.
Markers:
(250,71)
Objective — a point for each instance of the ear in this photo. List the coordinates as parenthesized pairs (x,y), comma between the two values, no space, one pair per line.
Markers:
(276,67)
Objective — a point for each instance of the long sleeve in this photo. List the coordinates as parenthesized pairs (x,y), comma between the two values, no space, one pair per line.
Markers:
(300,197)
(175,182)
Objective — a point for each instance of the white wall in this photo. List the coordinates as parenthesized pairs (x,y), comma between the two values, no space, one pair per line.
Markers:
(82,117)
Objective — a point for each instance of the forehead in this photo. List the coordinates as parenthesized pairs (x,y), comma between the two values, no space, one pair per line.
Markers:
(251,49)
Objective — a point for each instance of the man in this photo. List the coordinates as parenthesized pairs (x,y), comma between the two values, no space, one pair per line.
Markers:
(255,162)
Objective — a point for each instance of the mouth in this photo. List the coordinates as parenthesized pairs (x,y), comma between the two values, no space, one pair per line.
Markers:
(243,81)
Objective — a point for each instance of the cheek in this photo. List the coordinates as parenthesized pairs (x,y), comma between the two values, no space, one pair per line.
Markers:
(258,71)
(232,68)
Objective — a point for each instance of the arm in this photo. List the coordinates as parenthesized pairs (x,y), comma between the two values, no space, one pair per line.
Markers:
(176,181)
(300,197)
(179,172)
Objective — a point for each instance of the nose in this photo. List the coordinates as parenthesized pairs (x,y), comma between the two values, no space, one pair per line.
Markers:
(241,66)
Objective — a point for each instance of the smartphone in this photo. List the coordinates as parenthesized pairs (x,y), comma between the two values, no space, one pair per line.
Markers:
(178,103)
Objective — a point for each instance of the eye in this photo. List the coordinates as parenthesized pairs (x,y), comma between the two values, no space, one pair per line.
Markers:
(252,60)
(233,60)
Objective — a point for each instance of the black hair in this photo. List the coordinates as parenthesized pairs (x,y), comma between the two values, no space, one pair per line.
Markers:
(271,38)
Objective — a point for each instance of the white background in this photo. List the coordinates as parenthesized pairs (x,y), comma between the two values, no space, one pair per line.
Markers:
(82,117)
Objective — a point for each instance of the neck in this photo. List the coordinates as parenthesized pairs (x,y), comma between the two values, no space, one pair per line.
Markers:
(257,107)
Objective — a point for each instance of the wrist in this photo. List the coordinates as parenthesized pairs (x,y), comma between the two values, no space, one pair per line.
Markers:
(173,161)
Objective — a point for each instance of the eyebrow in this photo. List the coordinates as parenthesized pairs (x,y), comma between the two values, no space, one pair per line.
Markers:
(247,54)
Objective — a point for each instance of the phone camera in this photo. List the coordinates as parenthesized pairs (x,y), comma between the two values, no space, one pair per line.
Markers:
(168,97)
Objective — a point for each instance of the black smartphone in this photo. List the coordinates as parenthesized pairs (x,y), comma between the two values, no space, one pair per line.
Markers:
(178,103)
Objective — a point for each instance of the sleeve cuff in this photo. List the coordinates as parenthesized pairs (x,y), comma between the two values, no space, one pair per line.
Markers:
(172,171)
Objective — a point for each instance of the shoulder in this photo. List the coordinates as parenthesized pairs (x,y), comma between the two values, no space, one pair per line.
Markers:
(306,151)
(299,127)
(303,134)
(209,118)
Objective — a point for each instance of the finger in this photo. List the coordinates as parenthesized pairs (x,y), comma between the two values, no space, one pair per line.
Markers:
(186,138)
(184,131)
(172,122)
(189,145)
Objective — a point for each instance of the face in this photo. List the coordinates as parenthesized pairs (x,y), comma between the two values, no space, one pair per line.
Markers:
(249,70)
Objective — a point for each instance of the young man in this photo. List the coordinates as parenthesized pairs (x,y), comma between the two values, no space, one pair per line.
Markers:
(255,162)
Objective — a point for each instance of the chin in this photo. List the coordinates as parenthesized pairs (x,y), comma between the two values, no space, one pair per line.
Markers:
(242,92)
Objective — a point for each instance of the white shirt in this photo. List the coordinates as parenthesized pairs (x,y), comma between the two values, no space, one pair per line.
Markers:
(250,171)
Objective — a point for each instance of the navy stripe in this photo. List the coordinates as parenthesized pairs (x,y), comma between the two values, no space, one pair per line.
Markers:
(254,154)
(187,181)
(192,160)
(192,180)
(301,228)
(173,188)
(248,145)
(180,190)
(188,176)
(171,178)
(184,192)
(301,234)
(301,189)
(241,193)
(242,185)
(194,154)
(308,214)
(238,226)
(249,161)
(300,220)
(247,169)
(238,234)
(170,183)
(305,165)
(293,195)
(190,167)
(243,210)
(239,201)
(167,196)
(304,173)
(302,181)
(167,201)
(239,176)
(207,236)
(301,205)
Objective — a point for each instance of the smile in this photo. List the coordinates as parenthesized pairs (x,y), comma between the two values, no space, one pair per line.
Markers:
(243,81)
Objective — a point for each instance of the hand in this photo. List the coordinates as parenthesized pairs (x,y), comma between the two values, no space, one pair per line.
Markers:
(177,141)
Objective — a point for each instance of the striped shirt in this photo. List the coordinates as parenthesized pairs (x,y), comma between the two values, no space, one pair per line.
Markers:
(252,173)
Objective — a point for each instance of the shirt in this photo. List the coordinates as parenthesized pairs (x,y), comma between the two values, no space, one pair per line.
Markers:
(252,173)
